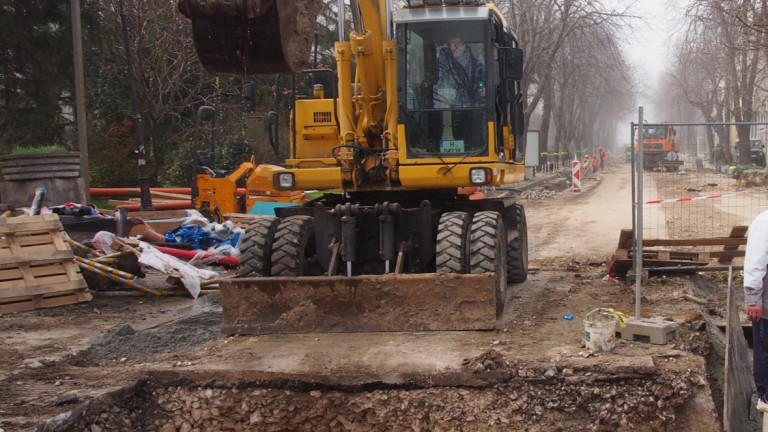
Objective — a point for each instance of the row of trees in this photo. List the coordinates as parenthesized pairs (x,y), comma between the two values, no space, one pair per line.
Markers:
(575,74)
(719,73)
(575,79)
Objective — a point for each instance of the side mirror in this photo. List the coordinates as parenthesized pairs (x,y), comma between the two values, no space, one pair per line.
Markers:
(249,98)
(513,64)
(270,122)
(204,114)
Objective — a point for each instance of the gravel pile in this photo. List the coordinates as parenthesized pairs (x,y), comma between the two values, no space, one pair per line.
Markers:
(123,342)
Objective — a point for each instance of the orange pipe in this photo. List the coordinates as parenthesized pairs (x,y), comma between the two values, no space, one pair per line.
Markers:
(113,192)
(167,205)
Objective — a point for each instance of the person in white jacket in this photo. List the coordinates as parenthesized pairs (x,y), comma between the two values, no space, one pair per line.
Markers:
(756,300)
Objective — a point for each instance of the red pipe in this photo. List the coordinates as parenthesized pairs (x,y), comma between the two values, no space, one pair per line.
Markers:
(167,205)
(188,255)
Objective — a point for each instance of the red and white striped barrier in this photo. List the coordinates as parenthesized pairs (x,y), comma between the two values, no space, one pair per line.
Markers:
(674,200)
(576,172)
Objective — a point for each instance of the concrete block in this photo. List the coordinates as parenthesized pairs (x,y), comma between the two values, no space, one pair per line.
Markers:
(657,331)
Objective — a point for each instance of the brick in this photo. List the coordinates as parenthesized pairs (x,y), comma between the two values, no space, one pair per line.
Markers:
(658,331)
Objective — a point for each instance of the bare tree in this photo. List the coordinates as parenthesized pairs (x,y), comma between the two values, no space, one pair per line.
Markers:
(722,51)
(544,29)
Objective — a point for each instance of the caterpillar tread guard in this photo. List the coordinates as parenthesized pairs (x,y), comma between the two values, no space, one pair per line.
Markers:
(412,123)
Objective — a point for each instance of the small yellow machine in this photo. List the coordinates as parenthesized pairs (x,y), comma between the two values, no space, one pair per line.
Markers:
(216,192)
(423,100)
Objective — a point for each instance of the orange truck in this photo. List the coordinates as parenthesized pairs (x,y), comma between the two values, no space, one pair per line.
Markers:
(660,149)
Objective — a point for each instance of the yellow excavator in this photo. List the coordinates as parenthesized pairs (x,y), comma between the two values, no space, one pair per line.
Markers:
(425,102)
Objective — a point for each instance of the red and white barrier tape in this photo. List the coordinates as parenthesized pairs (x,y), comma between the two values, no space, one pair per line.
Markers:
(674,200)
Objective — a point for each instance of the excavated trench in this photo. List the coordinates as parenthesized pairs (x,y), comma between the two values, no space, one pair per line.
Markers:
(526,399)
(490,392)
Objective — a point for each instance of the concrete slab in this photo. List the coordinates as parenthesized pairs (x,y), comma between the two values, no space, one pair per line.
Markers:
(656,330)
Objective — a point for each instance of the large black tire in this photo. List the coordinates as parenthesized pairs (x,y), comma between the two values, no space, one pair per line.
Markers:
(452,248)
(294,253)
(517,249)
(256,247)
(488,251)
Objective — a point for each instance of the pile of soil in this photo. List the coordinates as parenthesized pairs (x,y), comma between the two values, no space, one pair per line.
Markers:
(123,342)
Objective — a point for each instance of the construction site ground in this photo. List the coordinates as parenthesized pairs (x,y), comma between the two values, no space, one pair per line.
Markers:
(161,364)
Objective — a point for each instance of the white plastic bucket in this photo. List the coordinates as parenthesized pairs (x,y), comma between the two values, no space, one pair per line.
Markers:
(600,330)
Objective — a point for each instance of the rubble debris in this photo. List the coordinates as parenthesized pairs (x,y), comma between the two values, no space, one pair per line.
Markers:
(190,276)
(643,402)
(538,193)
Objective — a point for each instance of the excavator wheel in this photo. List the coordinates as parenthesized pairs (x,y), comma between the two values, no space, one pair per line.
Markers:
(487,250)
(256,248)
(452,250)
(267,37)
(517,249)
(294,253)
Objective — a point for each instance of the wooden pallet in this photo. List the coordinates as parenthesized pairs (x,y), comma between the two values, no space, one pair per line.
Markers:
(732,247)
(36,265)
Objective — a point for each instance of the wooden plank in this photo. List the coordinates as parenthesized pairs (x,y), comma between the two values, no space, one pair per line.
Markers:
(32,239)
(625,239)
(48,256)
(715,241)
(172,196)
(736,232)
(51,288)
(115,203)
(737,380)
(26,224)
(727,256)
(36,302)
(622,266)
(60,278)
(241,220)
(158,214)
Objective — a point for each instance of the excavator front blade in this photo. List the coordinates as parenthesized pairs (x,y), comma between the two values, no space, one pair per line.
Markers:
(405,302)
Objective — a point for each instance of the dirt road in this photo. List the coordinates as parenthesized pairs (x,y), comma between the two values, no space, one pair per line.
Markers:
(585,223)
(533,373)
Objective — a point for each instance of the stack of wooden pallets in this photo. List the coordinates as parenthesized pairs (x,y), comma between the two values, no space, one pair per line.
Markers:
(681,252)
(36,265)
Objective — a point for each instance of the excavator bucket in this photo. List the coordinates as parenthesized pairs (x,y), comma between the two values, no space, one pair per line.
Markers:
(405,302)
(252,37)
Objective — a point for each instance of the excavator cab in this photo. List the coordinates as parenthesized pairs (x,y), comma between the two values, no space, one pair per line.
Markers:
(451,84)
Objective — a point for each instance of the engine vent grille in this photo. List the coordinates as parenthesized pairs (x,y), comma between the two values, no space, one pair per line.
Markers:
(322,117)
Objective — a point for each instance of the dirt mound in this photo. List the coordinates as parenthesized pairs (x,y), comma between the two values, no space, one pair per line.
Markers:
(754,178)
(122,341)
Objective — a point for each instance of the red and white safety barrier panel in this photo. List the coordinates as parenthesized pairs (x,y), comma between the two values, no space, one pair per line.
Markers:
(576,172)
(674,200)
